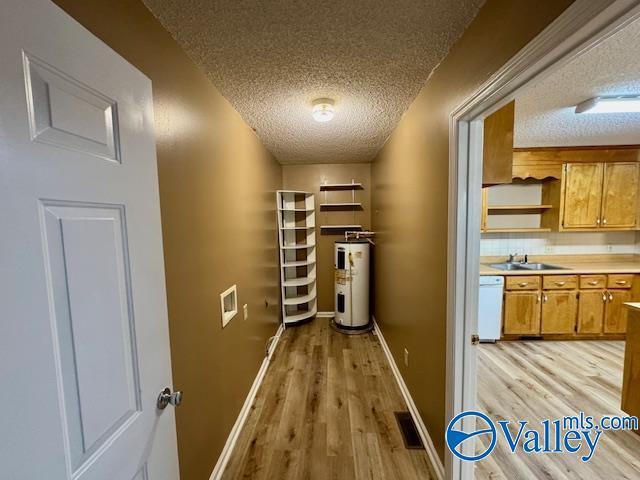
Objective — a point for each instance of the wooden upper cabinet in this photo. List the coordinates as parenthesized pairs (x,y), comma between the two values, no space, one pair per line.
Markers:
(620,195)
(582,195)
(497,150)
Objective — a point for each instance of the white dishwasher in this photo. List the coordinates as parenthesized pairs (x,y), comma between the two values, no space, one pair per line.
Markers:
(490,308)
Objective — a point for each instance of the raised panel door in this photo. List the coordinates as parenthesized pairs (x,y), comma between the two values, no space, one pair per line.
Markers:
(582,195)
(522,313)
(620,195)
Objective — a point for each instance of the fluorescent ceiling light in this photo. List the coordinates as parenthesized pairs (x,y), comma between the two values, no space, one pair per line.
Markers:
(322,110)
(620,104)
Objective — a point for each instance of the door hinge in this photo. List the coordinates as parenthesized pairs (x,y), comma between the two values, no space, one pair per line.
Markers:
(475,339)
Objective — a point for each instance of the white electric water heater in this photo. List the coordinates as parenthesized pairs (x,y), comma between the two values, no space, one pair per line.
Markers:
(352,284)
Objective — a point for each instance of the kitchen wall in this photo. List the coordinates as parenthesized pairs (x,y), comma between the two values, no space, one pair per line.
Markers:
(308,178)
(217,185)
(559,243)
(410,178)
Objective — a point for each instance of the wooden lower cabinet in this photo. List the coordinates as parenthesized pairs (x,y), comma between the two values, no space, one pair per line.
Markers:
(591,305)
(570,306)
(522,313)
(559,311)
(615,313)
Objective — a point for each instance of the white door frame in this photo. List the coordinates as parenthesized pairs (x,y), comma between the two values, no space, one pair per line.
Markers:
(584,24)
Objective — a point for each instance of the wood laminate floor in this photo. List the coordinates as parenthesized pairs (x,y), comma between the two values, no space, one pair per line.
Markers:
(539,380)
(325,411)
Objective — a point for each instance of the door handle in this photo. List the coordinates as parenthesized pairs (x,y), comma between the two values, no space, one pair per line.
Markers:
(166,397)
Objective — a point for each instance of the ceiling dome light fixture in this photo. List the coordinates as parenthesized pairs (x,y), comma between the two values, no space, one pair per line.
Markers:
(322,110)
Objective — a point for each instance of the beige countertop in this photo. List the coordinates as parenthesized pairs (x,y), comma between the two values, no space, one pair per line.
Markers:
(633,305)
(573,264)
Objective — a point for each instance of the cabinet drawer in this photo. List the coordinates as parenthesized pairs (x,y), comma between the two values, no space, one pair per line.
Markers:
(620,280)
(560,282)
(522,283)
(593,281)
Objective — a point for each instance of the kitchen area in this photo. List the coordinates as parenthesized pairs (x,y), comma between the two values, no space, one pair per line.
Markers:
(559,289)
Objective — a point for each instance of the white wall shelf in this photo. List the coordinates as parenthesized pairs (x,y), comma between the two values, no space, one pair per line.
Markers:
(297,241)
(342,209)
(341,205)
(341,227)
(341,186)
(296,246)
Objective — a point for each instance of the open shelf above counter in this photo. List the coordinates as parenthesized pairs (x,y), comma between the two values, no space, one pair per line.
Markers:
(518,207)
(516,230)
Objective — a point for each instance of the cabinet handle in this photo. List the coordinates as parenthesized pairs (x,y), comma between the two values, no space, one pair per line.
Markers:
(545,298)
(523,284)
(598,221)
(621,282)
(604,221)
(593,282)
(560,283)
(538,300)
(604,296)
(610,296)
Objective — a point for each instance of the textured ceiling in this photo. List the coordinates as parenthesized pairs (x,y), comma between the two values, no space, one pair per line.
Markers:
(271,59)
(545,113)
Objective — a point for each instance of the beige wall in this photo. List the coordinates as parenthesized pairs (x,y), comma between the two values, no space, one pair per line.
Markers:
(308,178)
(410,200)
(217,187)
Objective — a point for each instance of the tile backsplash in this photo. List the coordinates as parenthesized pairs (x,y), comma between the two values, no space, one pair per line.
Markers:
(556,243)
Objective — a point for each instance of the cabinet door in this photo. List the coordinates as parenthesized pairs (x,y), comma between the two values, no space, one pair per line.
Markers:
(591,311)
(559,311)
(582,195)
(615,313)
(522,313)
(620,195)
(497,150)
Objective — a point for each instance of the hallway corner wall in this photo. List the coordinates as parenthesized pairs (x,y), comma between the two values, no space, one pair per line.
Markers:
(217,185)
(410,196)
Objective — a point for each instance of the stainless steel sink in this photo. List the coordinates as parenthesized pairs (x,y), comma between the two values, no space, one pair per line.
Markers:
(525,266)
(540,266)
(507,266)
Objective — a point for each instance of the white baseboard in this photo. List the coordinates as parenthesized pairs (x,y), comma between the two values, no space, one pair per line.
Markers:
(438,467)
(325,314)
(244,412)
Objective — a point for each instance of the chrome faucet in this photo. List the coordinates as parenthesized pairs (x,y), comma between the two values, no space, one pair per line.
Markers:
(513,256)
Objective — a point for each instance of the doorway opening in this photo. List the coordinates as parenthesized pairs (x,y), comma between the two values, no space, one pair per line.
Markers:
(517,217)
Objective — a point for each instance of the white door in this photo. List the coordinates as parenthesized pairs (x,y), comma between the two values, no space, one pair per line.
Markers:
(84,347)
